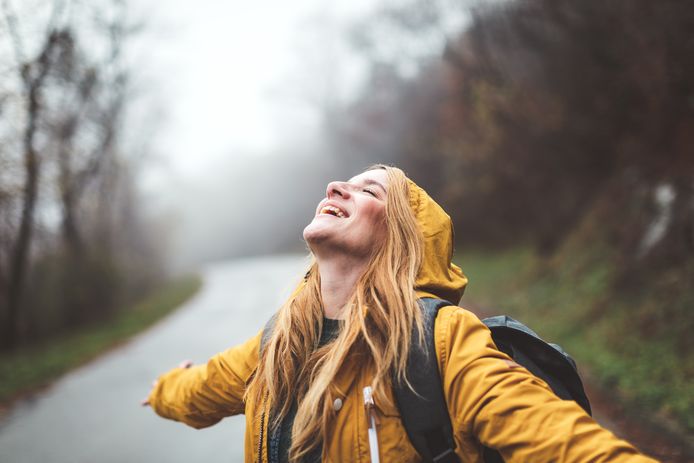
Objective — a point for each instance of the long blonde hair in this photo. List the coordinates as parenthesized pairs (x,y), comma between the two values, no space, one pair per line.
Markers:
(381,315)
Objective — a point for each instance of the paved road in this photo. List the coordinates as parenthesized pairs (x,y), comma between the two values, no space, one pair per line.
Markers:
(93,414)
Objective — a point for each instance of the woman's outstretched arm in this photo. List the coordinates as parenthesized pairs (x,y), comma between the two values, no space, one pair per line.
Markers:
(202,395)
(508,408)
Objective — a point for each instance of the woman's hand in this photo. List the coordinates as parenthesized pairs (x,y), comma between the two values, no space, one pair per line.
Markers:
(183,364)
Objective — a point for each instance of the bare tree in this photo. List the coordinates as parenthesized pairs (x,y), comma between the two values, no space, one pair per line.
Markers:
(73,89)
(32,73)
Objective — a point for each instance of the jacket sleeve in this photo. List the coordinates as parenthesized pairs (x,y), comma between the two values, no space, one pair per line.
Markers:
(202,395)
(509,409)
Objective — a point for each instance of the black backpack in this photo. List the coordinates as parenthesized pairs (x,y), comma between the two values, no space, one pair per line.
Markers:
(425,415)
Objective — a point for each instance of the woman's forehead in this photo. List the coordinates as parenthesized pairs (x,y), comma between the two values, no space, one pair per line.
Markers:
(376,176)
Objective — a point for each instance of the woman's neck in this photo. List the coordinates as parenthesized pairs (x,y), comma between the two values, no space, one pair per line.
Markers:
(338,277)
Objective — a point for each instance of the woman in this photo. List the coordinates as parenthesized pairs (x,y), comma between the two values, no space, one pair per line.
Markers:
(379,243)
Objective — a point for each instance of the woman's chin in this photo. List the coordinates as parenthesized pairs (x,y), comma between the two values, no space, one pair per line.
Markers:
(315,234)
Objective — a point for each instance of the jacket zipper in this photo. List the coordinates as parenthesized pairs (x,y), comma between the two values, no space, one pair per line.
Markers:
(371,423)
(262,430)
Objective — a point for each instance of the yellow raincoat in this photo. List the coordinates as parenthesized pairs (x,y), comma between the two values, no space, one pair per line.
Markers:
(491,400)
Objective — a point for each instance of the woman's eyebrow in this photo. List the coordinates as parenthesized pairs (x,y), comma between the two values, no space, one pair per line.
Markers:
(369,181)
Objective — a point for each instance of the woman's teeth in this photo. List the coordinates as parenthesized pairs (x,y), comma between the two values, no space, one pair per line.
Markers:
(332,210)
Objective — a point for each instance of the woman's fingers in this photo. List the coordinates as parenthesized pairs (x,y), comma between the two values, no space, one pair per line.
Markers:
(145,402)
(185,364)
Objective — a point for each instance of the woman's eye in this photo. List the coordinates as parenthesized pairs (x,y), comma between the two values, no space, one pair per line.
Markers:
(367,190)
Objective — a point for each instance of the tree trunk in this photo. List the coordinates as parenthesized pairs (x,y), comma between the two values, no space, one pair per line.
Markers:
(33,75)
(20,253)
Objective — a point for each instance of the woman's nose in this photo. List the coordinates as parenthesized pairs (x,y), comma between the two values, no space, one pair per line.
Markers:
(337,188)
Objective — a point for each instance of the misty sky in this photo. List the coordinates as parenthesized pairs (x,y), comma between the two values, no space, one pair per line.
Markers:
(240,78)
(231,87)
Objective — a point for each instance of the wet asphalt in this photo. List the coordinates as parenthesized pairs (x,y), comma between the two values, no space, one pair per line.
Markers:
(93,414)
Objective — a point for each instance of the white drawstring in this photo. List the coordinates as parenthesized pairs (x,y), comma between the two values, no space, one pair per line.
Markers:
(371,422)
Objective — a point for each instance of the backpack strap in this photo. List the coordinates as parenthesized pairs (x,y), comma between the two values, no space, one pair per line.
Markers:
(424,413)
(267,333)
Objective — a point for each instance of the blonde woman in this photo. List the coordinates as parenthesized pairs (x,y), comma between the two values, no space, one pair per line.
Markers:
(379,243)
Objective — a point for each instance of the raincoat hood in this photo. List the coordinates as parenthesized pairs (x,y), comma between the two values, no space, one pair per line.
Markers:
(438,276)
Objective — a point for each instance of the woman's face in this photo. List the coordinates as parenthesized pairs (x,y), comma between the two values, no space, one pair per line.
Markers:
(351,218)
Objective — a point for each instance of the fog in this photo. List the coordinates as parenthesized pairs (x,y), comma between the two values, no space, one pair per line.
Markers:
(249,205)
(240,93)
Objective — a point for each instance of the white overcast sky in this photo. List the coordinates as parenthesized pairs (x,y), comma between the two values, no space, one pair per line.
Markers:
(236,78)
(226,89)
(229,91)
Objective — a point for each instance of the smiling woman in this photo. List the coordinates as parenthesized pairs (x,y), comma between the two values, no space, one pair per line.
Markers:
(321,386)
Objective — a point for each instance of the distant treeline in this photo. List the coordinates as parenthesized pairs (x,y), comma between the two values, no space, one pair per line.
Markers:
(73,247)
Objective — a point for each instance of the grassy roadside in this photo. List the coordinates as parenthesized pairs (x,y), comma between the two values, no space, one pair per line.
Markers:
(31,368)
(624,340)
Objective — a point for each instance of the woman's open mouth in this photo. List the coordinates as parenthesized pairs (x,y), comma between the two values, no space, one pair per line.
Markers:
(333,210)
